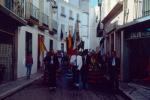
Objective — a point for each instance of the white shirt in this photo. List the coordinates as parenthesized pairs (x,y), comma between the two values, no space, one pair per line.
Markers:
(52,62)
(76,60)
(79,62)
(113,62)
(73,60)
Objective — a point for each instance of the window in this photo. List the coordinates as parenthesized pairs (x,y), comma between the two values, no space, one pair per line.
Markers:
(66,1)
(146,7)
(51,45)
(62,47)
(28,42)
(62,31)
(70,13)
(71,29)
(9,4)
(63,11)
(63,28)
(78,17)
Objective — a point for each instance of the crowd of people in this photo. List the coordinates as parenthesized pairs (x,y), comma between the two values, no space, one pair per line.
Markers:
(84,69)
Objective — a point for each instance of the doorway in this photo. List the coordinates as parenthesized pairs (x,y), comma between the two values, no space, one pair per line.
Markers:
(139,53)
(28,43)
(7,63)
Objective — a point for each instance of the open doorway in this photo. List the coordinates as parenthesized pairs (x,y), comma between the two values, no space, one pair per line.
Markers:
(28,43)
(51,45)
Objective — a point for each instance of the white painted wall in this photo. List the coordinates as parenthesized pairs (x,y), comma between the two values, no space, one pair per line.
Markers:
(94,40)
(21,69)
(74,2)
(83,30)
(36,3)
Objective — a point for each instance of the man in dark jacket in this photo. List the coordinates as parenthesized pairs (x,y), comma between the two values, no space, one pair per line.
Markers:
(84,70)
(52,64)
(114,65)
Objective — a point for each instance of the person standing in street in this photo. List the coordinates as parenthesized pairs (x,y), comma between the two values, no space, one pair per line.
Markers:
(114,65)
(52,63)
(29,63)
(78,71)
(84,70)
(76,61)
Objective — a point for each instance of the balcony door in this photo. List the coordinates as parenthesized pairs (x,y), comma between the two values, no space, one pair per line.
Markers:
(9,4)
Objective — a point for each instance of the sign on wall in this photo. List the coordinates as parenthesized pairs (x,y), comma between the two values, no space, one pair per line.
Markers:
(137,35)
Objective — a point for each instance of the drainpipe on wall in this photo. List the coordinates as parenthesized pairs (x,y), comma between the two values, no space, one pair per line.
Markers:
(124,9)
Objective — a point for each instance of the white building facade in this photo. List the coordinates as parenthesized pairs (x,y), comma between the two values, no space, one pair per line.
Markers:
(69,12)
(38,14)
(42,22)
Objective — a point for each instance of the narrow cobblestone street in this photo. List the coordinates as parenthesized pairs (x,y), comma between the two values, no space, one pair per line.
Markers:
(38,91)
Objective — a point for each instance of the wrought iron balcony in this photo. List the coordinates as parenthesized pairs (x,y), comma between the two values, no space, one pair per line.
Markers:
(63,15)
(54,26)
(44,20)
(32,13)
(142,8)
(17,7)
(78,20)
(71,18)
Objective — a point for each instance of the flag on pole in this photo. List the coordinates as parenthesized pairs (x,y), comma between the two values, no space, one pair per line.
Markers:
(70,44)
(42,49)
(77,32)
(69,41)
(42,46)
(76,36)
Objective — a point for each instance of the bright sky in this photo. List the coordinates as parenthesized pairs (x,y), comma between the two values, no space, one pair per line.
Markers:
(93,3)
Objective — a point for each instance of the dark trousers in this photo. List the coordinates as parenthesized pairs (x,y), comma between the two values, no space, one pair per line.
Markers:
(114,80)
(84,77)
(75,75)
(52,76)
(29,67)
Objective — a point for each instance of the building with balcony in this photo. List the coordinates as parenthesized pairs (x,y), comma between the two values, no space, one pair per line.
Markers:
(25,25)
(41,29)
(135,41)
(111,18)
(70,13)
(11,18)
(126,30)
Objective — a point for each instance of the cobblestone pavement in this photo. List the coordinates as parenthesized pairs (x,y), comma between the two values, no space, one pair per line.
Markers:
(38,91)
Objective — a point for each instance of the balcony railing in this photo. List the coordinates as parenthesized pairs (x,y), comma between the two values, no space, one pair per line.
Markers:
(31,11)
(71,18)
(63,15)
(78,20)
(44,21)
(17,7)
(142,8)
(54,25)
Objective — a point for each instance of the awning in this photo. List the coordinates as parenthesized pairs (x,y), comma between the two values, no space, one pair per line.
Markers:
(135,26)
